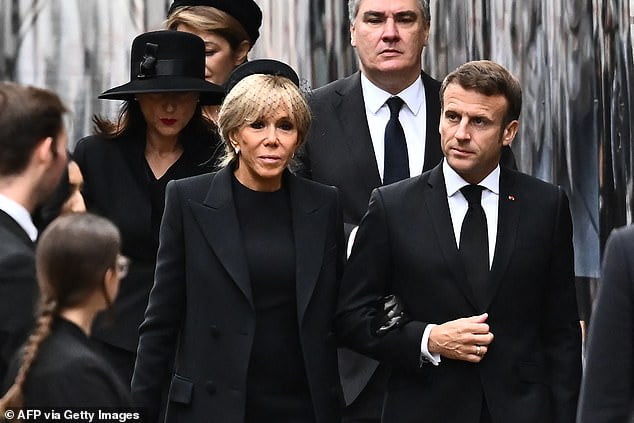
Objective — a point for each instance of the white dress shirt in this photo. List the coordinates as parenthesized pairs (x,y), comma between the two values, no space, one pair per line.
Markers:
(413,118)
(20,214)
(458,206)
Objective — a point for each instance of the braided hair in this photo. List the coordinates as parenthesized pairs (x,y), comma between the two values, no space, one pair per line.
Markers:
(72,257)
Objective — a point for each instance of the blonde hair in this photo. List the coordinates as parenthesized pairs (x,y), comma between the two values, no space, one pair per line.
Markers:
(210,19)
(256,97)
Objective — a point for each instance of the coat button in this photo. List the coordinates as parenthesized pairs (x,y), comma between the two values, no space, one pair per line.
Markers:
(210,387)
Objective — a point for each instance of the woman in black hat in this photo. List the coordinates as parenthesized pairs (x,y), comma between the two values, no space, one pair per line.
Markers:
(78,267)
(160,135)
(247,274)
(229,28)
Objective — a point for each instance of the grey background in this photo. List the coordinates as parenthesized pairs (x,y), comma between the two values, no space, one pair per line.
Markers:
(573,57)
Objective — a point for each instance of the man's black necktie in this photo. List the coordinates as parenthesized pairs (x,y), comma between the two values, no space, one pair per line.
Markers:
(396,164)
(474,242)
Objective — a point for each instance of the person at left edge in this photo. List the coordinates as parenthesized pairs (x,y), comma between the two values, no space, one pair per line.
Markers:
(247,274)
(160,135)
(32,161)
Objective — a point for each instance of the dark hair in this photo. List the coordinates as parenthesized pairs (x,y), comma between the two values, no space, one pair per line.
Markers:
(27,116)
(197,135)
(488,78)
(72,257)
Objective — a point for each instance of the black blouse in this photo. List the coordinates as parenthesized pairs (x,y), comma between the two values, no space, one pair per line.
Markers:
(277,387)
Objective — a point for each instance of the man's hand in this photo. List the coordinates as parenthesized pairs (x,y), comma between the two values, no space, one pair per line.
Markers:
(462,339)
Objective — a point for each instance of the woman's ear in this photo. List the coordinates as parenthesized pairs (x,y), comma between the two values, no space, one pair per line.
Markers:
(241,52)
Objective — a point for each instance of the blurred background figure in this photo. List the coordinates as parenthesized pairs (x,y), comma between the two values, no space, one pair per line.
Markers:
(228,28)
(67,197)
(78,269)
(247,274)
(161,135)
(33,144)
(607,390)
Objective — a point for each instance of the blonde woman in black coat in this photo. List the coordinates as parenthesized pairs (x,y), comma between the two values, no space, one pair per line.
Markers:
(247,274)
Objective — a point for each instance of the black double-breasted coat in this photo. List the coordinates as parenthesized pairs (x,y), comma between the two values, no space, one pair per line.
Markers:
(201,306)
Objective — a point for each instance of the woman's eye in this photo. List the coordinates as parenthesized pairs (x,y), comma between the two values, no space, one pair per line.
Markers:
(258,124)
(286,126)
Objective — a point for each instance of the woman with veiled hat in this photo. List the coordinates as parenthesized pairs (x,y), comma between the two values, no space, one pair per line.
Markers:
(247,274)
(160,135)
(229,29)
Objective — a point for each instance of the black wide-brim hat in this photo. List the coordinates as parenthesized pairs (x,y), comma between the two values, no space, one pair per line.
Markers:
(246,12)
(167,61)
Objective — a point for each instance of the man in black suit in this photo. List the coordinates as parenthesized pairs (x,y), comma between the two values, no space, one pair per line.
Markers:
(607,391)
(32,161)
(487,282)
(348,143)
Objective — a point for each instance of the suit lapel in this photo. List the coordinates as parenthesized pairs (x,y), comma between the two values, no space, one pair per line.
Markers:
(309,220)
(13,227)
(433,152)
(436,201)
(218,222)
(508,216)
(350,108)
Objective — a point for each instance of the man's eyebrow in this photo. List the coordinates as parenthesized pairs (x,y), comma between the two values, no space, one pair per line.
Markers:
(406,14)
(373,14)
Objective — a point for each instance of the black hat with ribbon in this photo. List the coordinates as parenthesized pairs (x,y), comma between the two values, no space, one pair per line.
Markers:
(246,12)
(167,61)
(261,66)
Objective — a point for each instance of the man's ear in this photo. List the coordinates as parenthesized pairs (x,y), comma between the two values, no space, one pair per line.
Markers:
(353,41)
(45,150)
(509,132)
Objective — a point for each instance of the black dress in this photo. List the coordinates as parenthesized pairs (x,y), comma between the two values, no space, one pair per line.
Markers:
(119,185)
(68,372)
(277,386)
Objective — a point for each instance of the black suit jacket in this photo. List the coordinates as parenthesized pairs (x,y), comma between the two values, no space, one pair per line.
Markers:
(607,393)
(69,373)
(339,150)
(202,305)
(406,246)
(18,288)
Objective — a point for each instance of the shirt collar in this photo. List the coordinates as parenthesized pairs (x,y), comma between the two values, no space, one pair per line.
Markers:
(375,97)
(454,182)
(20,214)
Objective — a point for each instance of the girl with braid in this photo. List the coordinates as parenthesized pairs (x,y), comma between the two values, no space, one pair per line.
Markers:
(78,268)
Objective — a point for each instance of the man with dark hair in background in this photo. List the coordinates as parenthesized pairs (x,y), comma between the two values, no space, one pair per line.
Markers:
(32,160)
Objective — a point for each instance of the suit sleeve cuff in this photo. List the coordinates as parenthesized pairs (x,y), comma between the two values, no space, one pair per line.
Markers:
(425,355)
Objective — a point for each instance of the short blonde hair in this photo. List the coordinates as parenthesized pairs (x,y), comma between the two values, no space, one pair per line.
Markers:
(210,19)
(256,97)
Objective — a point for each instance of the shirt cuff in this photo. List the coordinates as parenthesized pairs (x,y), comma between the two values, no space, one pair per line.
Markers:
(425,355)
(353,234)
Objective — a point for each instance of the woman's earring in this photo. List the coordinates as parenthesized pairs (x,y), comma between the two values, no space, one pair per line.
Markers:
(236,149)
